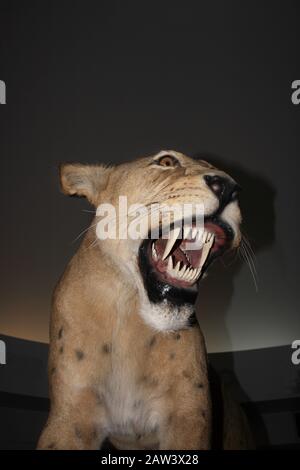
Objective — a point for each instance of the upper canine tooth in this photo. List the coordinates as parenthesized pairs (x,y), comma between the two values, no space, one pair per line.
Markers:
(171,241)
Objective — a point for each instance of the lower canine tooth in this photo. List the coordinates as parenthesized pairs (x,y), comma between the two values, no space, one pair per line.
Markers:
(170,263)
(170,243)
(183,270)
(197,272)
(154,254)
(177,267)
(184,277)
(189,274)
(194,274)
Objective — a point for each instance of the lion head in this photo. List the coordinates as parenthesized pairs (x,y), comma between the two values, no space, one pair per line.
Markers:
(165,269)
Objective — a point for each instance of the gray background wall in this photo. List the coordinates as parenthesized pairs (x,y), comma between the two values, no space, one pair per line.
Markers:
(108,81)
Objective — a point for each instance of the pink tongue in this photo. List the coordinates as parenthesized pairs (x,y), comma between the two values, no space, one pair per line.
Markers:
(194,257)
(177,254)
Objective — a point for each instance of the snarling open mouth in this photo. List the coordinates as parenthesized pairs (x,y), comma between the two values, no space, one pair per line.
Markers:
(173,265)
(183,257)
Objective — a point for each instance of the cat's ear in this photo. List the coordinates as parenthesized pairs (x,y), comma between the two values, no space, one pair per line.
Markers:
(82,180)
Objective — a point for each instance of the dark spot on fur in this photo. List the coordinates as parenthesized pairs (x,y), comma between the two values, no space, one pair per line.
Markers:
(150,381)
(186,374)
(61,350)
(170,419)
(172,355)
(139,436)
(152,341)
(99,399)
(94,433)
(51,446)
(137,404)
(53,370)
(199,385)
(177,336)
(106,348)
(79,354)
(78,432)
(60,333)
(153,382)
(203,414)
(170,388)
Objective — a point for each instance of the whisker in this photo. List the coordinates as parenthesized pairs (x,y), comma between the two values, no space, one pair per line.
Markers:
(93,243)
(247,242)
(83,232)
(246,258)
(251,255)
(234,259)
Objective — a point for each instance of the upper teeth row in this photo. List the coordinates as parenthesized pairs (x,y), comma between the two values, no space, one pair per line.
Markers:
(201,236)
(184,273)
(192,232)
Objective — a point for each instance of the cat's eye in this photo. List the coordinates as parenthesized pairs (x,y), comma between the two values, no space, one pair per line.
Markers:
(168,161)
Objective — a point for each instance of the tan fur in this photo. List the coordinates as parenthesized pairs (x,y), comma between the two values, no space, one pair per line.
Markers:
(111,374)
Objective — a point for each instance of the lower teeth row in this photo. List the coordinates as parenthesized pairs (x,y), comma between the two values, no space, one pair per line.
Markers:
(185,273)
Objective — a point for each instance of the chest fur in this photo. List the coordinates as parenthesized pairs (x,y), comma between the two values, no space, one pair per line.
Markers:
(131,411)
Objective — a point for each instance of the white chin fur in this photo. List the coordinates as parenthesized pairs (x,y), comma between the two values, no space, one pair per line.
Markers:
(162,316)
(166,317)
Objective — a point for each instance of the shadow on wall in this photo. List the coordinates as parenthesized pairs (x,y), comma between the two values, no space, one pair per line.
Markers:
(257,206)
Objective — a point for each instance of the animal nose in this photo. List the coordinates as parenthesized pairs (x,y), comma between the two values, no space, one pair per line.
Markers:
(224,188)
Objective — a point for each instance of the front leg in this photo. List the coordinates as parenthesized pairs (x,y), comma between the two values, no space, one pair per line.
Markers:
(76,422)
(186,422)
(78,413)
(185,432)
